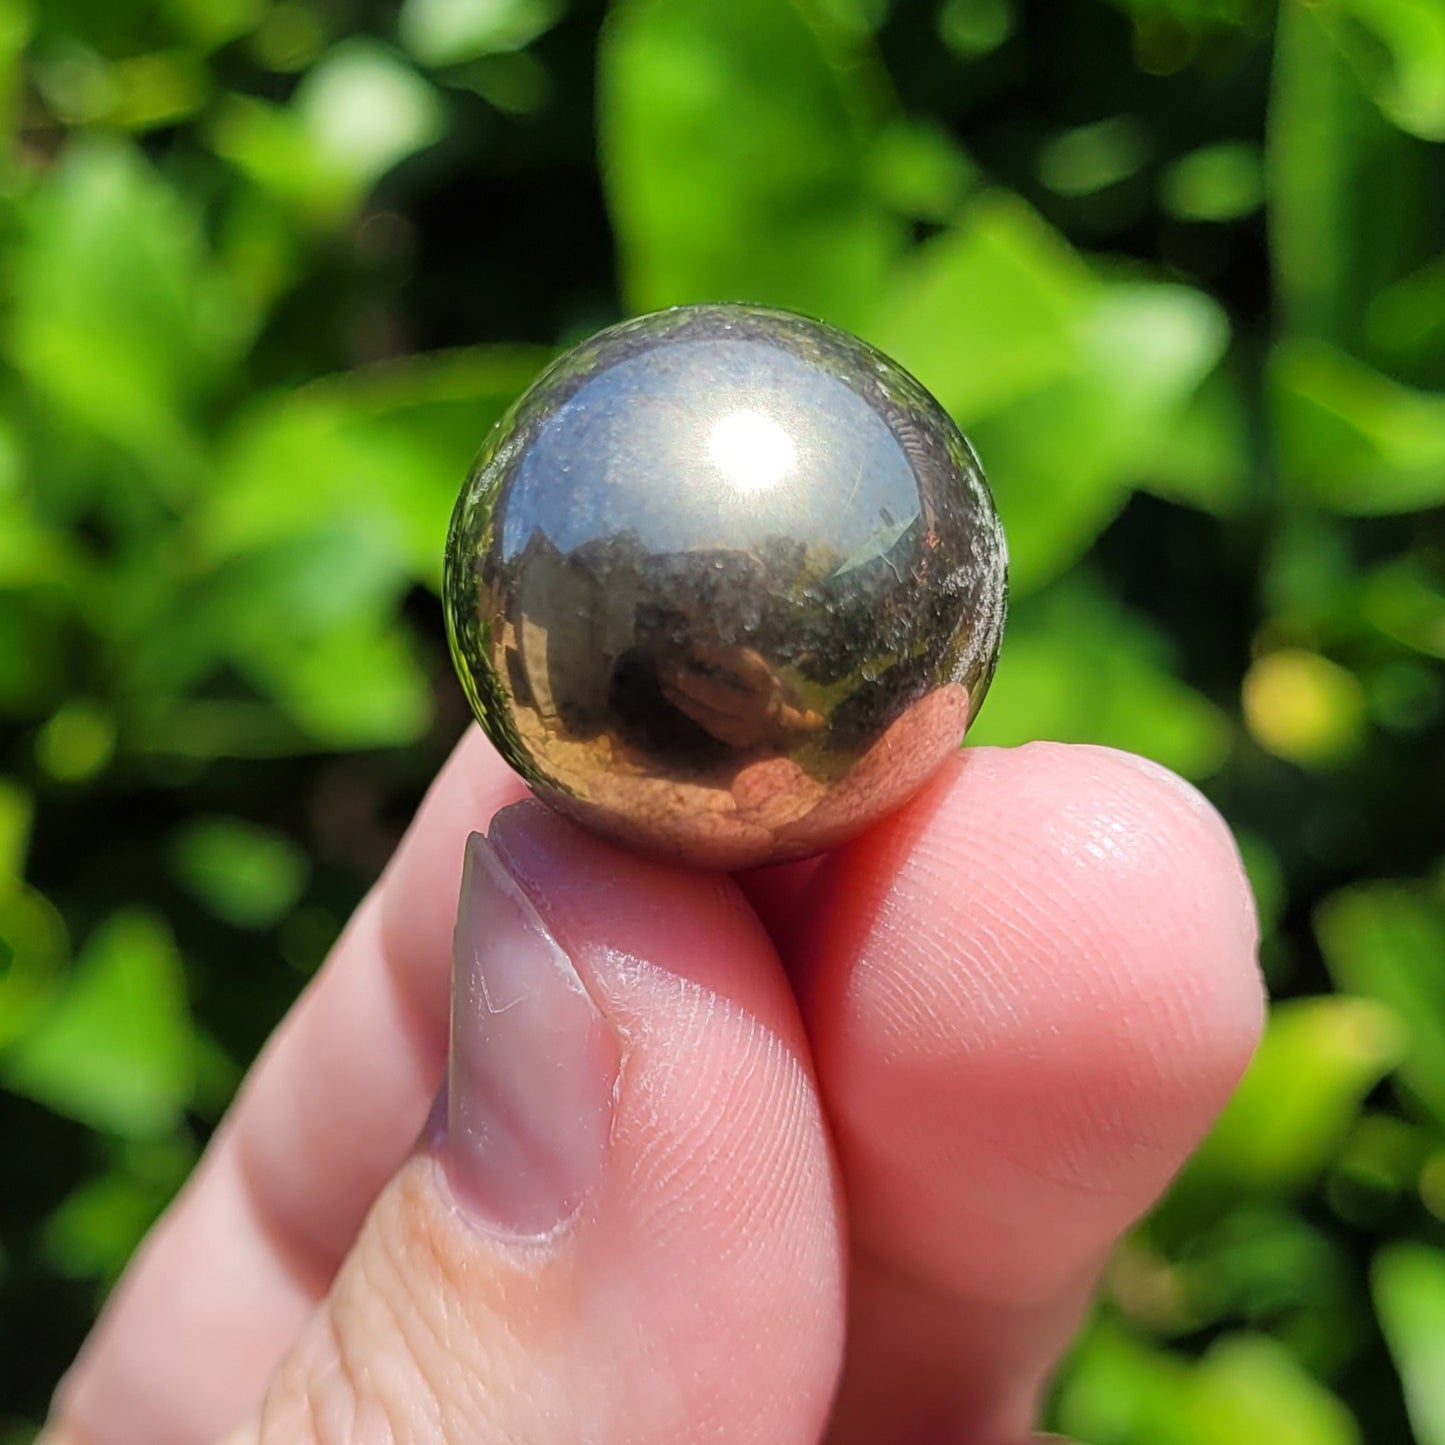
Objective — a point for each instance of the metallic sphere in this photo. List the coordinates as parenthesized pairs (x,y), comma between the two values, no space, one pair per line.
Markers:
(725,585)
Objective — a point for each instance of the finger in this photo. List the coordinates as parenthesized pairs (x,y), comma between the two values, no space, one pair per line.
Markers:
(325,1118)
(628,1229)
(1028,995)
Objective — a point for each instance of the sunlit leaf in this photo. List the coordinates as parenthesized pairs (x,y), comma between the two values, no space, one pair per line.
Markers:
(1387,941)
(1318,1061)
(248,875)
(447,32)
(1062,461)
(309,621)
(987,312)
(383,450)
(1409,1281)
(363,110)
(1067,383)
(116,319)
(114,1051)
(1250,1387)
(1247,1387)
(1118,1388)
(735,146)
(359,113)
(269,145)
(359,685)
(1398,49)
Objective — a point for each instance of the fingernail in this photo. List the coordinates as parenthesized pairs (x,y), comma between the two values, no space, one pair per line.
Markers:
(533,1064)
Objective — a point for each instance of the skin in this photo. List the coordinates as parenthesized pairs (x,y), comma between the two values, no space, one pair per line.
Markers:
(880,1118)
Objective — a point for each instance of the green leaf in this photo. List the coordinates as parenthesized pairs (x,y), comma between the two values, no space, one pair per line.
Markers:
(115,1050)
(33,947)
(1093,157)
(1062,461)
(326,504)
(364,110)
(1247,1388)
(1405,599)
(17,810)
(1318,1062)
(1409,1289)
(448,32)
(14,34)
(1220,182)
(1121,1390)
(975,27)
(736,143)
(1068,384)
(248,875)
(209,24)
(116,320)
(1352,439)
(357,686)
(919,171)
(268,144)
(77,742)
(1405,325)
(1250,1387)
(1345,186)
(96,1229)
(1006,282)
(1397,47)
(384,450)
(1387,941)
(1205,459)
(359,113)
(310,621)
(1076,668)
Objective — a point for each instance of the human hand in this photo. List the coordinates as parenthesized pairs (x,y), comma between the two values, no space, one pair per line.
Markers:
(679,1192)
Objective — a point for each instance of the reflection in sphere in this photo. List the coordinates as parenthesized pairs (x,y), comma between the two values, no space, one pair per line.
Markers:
(726,585)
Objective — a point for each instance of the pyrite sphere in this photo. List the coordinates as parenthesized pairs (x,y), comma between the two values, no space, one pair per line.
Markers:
(726,585)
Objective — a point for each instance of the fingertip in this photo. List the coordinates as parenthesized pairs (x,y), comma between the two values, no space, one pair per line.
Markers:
(1029,994)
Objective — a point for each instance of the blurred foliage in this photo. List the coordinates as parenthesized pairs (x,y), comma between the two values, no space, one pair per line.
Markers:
(270,268)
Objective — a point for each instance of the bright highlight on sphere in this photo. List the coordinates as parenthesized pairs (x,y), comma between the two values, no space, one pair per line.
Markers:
(751,450)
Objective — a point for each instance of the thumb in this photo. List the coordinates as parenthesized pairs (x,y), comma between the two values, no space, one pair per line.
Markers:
(623,1225)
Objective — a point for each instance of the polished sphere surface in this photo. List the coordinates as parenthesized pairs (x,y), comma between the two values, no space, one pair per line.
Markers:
(726,585)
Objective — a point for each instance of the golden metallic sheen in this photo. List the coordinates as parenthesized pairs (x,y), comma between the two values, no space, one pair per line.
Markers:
(726,585)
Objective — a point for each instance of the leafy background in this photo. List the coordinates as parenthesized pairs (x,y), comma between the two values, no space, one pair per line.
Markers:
(271,267)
